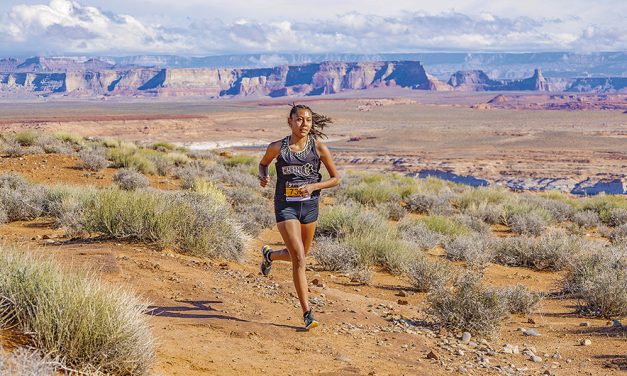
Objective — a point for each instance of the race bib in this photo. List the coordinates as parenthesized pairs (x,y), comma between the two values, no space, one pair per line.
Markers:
(292,193)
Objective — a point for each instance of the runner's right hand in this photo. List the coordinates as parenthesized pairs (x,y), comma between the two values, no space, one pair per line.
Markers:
(263,180)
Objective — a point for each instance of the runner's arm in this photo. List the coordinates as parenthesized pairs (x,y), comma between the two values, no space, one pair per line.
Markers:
(272,152)
(327,159)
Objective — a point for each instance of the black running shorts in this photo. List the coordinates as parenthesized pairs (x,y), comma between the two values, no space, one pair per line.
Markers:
(303,211)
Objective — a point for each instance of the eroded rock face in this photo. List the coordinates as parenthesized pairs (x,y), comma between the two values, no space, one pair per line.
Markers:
(309,79)
(45,76)
(600,85)
(477,80)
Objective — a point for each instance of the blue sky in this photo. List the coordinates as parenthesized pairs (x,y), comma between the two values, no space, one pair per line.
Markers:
(201,27)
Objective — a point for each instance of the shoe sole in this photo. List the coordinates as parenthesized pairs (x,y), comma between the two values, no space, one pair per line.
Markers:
(263,260)
(314,324)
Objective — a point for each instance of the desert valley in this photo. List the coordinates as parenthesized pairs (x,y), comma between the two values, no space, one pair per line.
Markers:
(480,226)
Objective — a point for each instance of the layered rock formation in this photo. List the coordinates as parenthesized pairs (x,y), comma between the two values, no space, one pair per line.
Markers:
(74,77)
(477,80)
(600,85)
(308,79)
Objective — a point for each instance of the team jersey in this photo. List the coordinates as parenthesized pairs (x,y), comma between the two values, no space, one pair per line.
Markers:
(295,170)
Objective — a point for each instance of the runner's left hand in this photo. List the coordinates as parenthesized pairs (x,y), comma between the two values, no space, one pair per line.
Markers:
(306,190)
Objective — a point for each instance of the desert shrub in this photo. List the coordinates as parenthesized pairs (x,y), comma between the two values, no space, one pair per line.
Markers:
(603,205)
(130,180)
(74,317)
(550,251)
(605,293)
(253,211)
(619,234)
(435,186)
(239,177)
(381,247)
(26,362)
(333,255)
(191,223)
(444,225)
(468,306)
(345,219)
(599,280)
(518,299)
(14,150)
(586,219)
(370,194)
(52,145)
(26,138)
(20,199)
(480,197)
(163,166)
(162,146)
(392,210)
(617,217)
(487,212)
(191,172)
(66,206)
(240,160)
(475,249)
(475,224)
(429,204)
(530,223)
(416,231)
(4,217)
(69,138)
(205,187)
(128,156)
(93,159)
(425,274)
(178,158)
(559,210)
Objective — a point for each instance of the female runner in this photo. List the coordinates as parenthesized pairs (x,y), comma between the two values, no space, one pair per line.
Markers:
(297,194)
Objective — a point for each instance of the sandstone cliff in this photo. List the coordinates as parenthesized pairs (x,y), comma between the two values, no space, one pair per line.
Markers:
(73,77)
(477,80)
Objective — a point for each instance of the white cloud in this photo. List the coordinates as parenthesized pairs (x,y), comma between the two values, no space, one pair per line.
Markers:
(67,26)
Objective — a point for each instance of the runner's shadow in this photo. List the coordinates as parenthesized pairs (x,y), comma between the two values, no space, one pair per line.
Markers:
(186,312)
(191,311)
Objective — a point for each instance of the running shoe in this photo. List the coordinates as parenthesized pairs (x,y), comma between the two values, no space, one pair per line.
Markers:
(310,322)
(266,263)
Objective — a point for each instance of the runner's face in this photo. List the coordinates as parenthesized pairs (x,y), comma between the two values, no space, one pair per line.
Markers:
(301,122)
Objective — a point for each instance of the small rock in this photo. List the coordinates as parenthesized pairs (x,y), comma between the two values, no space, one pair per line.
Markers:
(557,356)
(46,236)
(531,321)
(402,302)
(343,358)
(531,333)
(401,293)
(536,359)
(315,282)
(466,336)
(510,349)
(460,352)
(585,323)
(432,355)
(585,342)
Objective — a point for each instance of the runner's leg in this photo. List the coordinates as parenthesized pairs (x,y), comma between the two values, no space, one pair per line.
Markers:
(291,232)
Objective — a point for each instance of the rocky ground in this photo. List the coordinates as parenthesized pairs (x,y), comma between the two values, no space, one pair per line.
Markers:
(214,317)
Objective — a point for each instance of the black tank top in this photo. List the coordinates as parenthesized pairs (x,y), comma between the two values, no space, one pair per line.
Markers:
(296,169)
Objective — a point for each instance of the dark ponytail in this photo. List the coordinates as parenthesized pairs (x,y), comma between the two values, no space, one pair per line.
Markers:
(318,121)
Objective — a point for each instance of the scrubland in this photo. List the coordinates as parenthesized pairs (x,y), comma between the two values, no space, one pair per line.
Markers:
(438,237)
